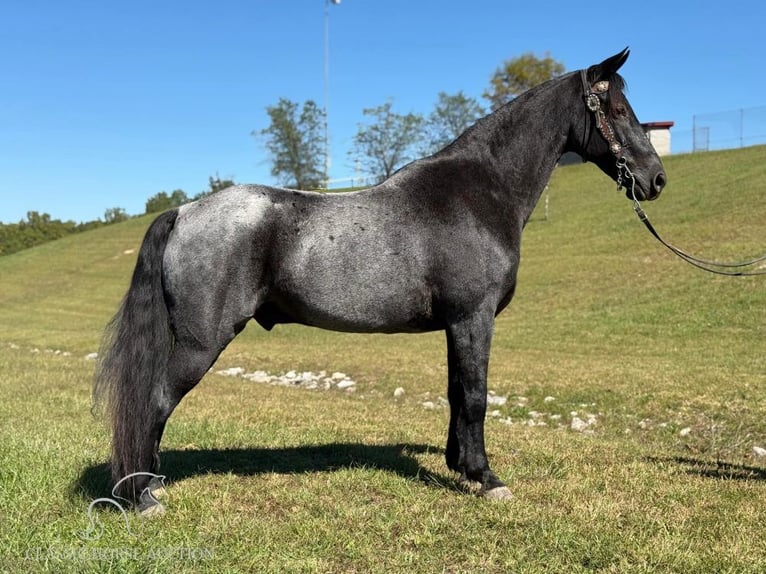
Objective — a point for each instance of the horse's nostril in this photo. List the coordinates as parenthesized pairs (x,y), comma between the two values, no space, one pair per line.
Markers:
(659,181)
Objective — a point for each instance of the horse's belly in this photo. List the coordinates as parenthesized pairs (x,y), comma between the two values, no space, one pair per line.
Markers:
(362,311)
(357,280)
(355,301)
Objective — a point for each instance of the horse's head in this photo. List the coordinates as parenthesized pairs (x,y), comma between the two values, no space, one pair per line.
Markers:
(608,133)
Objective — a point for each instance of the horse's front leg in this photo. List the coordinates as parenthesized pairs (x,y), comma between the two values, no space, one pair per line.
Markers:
(468,345)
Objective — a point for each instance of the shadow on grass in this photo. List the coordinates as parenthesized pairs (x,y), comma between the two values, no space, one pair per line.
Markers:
(713,469)
(94,481)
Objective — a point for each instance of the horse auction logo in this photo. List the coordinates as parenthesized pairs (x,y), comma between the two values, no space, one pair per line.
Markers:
(95,529)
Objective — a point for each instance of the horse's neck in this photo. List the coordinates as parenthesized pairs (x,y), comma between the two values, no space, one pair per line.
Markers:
(526,139)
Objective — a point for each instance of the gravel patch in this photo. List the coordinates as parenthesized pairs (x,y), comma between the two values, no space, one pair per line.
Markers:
(307,380)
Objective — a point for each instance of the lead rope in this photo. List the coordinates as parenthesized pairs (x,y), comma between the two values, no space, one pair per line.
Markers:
(623,169)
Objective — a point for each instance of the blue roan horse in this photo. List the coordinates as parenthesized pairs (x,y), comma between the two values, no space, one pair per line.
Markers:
(434,247)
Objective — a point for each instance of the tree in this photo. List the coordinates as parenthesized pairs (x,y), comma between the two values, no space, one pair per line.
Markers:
(389,142)
(295,140)
(452,115)
(38,228)
(519,74)
(215,184)
(115,215)
(162,201)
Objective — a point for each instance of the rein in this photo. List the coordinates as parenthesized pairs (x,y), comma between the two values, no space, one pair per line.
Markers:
(717,267)
(593,103)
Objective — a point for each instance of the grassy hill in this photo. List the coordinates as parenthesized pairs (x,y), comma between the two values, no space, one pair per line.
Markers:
(665,361)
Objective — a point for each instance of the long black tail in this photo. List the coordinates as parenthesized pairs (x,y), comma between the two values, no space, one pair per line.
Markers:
(134,356)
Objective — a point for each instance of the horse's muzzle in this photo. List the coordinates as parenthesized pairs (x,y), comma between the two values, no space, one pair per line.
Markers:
(648,191)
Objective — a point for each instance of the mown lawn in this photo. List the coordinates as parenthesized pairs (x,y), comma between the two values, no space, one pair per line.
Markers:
(662,364)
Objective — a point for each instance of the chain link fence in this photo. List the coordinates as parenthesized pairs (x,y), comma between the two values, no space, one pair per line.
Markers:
(722,130)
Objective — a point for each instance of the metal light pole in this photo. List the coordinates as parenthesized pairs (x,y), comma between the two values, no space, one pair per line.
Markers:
(327,89)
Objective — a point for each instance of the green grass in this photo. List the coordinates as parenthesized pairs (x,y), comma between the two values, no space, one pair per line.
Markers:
(668,359)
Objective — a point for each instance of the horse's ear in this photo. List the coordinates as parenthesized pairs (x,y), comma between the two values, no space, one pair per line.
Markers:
(608,67)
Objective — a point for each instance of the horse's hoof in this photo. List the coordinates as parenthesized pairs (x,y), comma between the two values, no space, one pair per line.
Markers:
(157,488)
(160,492)
(497,493)
(152,511)
(148,505)
(468,485)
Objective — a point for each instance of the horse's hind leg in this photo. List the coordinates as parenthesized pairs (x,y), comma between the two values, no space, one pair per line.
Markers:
(468,345)
(186,367)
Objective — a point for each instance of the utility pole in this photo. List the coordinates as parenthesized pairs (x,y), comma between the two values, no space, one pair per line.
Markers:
(327,89)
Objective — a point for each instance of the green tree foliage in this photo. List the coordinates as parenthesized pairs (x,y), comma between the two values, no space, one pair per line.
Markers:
(215,184)
(452,115)
(115,215)
(162,201)
(37,228)
(387,143)
(296,143)
(519,74)
(40,228)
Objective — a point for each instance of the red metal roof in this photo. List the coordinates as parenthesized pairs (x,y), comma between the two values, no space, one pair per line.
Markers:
(658,125)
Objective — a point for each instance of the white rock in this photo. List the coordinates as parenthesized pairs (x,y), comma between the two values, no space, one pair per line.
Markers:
(495,413)
(258,377)
(346,383)
(91,356)
(685,432)
(429,405)
(578,424)
(398,392)
(759,451)
(291,375)
(496,400)
(338,376)
(232,372)
(549,399)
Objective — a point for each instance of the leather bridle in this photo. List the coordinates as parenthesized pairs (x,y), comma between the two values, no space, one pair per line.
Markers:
(593,103)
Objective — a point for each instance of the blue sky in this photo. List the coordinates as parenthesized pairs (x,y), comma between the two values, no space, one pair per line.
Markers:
(104,104)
